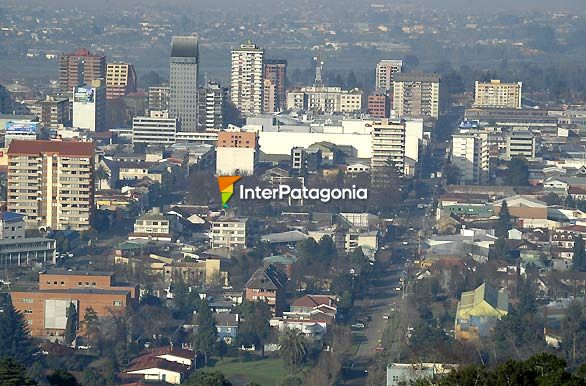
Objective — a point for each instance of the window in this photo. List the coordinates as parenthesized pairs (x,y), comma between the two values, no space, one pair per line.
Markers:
(27,300)
(28,311)
(117,303)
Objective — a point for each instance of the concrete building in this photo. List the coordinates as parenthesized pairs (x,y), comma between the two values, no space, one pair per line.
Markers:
(497,94)
(157,129)
(12,226)
(399,374)
(306,160)
(229,233)
(237,153)
(52,183)
(89,106)
(184,67)
(416,95)
(246,86)
(45,309)
(80,67)
(521,143)
(398,141)
(152,226)
(268,284)
(21,129)
(211,101)
(120,80)
(159,98)
(379,105)
(32,251)
(325,100)
(471,156)
(53,112)
(275,72)
(386,70)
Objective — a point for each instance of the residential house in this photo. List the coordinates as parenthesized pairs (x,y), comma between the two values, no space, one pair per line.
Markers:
(227,326)
(151,226)
(268,284)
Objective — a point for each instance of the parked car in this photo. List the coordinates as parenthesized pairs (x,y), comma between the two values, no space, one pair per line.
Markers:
(378,349)
(358,326)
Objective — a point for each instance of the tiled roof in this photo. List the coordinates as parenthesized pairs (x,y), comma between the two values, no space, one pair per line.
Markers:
(64,148)
(267,278)
(177,352)
(150,362)
(314,301)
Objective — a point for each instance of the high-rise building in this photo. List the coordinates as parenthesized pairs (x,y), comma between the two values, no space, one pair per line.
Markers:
(120,80)
(53,111)
(158,98)
(471,157)
(379,105)
(89,106)
(80,67)
(246,87)
(211,102)
(275,71)
(52,183)
(395,142)
(497,94)
(416,95)
(385,73)
(183,81)
(237,153)
(156,129)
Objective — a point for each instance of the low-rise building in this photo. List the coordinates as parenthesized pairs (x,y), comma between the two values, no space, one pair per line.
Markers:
(12,226)
(152,226)
(27,251)
(399,374)
(228,232)
(268,284)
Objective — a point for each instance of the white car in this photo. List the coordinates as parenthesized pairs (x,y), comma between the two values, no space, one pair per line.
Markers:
(358,325)
(397,288)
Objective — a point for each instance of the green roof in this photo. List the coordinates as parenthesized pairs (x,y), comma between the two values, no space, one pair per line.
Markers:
(280,259)
(128,245)
(483,301)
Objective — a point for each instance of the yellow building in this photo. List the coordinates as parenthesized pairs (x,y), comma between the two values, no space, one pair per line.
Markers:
(120,80)
(497,94)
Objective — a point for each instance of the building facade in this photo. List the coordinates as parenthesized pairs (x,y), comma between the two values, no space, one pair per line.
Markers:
(246,86)
(498,94)
(89,106)
(237,153)
(158,98)
(275,73)
(12,226)
(51,183)
(379,105)
(120,80)
(229,233)
(158,129)
(211,102)
(395,142)
(416,95)
(326,100)
(80,67)
(385,73)
(184,74)
(521,143)
(471,157)
(268,284)
(53,112)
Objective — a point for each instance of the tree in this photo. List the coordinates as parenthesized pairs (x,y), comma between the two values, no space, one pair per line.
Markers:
(208,378)
(62,378)
(503,225)
(579,258)
(71,325)
(13,374)
(90,323)
(293,348)
(15,341)
(517,173)
(101,175)
(254,327)
(207,335)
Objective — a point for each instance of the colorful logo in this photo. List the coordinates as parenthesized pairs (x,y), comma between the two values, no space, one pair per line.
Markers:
(226,185)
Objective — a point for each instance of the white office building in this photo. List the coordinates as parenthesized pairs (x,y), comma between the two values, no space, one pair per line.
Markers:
(157,129)
(397,141)
(471,157)
(521,142)
(89,106)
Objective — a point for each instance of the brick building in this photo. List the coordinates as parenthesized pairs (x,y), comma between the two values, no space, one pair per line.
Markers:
(268,284)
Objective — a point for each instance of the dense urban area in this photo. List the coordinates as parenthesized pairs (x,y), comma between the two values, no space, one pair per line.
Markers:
(292,193)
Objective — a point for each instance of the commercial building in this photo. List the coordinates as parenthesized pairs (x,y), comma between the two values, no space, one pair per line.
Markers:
(12,226)
(397,141)
(246,86)
(52,183)
(159,98)
(237,153)
(379,105)
(471,157)
(325,100)
(53,112)
(80,67)
(268,284)
(497,94)
(399,374)
(21,129)
(45,309)
(27,251)
(211,100)
(184,74)
(120,80)
(386,70)
(157,129)
(229,233)
(275,75)
(521,143)
(512,117)
(416,95)
(89,106)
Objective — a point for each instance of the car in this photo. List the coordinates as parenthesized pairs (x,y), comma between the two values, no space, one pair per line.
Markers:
(397,288)
(358,326)
(378,349)
(405,242)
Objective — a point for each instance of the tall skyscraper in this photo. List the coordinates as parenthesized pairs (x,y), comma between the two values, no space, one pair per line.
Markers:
(275,71)
(60,194)
(89,106)
(497,94)
(385,73)
(246,91)
(416,95)
(80,67)
(120,80)
(183,81)
(211,102)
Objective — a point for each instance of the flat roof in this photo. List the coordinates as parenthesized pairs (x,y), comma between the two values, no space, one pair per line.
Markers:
(77,273)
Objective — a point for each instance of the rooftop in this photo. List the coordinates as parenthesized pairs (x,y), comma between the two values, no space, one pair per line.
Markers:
(63,148)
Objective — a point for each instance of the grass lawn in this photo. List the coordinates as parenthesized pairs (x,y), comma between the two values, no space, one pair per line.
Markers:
(265,372)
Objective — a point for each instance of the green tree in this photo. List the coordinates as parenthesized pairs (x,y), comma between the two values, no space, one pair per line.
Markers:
(206,336)
(254,327)
(517,173)
(101,175)
(293,348)
(71,325)
(207,378)
(15,341)
(13,374)
(579,258)
(90,324)
(62,378)
(503,225)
